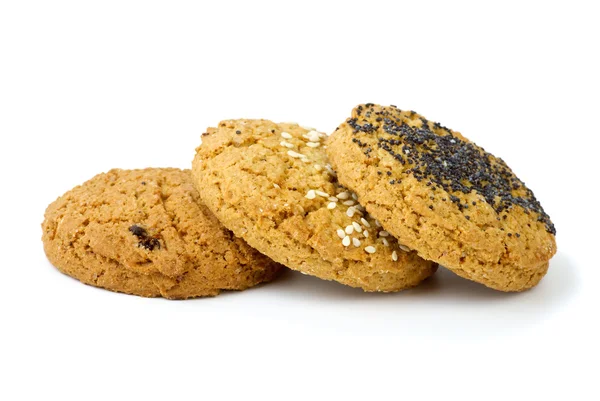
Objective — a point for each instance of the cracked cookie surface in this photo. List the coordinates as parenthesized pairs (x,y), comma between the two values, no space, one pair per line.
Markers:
(443,196)
(271,184)
(146,232)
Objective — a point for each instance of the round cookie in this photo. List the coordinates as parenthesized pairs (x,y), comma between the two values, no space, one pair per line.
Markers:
(271,184)
(443,196)
(145,232)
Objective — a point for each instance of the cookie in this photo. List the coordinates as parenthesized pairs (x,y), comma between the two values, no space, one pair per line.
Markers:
(443,196)
(271,184)
(145,232)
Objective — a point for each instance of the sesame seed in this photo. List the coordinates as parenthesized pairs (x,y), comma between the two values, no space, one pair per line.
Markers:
(294,154)
(346,241)
(305,159)
(365,222)
(276,186)
(286,144)
(333,199)
(313,144)
(349,229)
(366,234)
(383,233)
(321,193)
(377,223)
(350,212)
(286,135)
(404,248)
(395,256)
(343,195)
(331,205)
(354,196)
(330,170)
(341,233)
(318,167)
(357,227)
(313,136)
(356,242)
(310,194)
(370,249)
(348,203)
(385,242)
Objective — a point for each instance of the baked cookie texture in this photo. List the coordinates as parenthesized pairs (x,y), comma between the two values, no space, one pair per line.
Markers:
(443,196)
(145,232)
(271,184)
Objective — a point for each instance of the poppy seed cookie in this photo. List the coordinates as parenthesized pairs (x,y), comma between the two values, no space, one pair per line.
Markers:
(145,232)
(271,184)
(443,196)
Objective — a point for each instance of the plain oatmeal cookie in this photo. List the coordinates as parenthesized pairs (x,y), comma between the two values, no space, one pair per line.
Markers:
(145,232)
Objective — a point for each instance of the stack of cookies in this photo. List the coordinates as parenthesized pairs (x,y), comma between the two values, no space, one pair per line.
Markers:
(375,205)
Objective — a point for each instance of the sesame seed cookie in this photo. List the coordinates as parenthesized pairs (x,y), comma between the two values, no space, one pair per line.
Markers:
(443,196)
(145,232)
(271,184)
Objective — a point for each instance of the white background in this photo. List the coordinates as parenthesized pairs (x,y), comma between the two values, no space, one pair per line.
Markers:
(87,86)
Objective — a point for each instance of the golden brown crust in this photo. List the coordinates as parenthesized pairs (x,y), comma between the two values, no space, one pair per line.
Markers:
(475,217)
(271,183)
(145,232)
